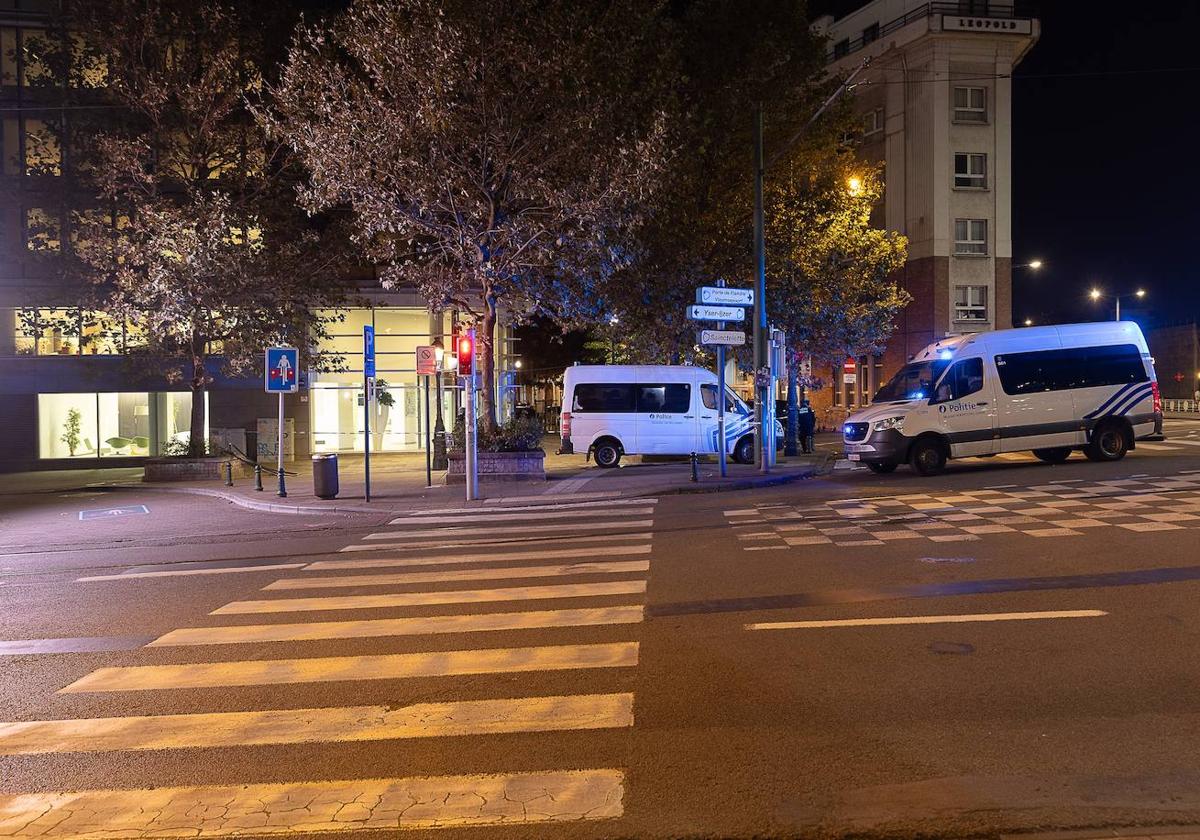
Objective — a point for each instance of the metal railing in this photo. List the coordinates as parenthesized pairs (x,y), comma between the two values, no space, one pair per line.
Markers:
(1182,406)
(972,8)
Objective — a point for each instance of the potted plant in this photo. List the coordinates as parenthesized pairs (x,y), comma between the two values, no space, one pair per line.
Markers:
(513,452)
(385,400)
(71,429)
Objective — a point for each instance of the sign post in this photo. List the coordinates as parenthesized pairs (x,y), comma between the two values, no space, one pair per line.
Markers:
(368,393)
(427,367)
(719,303)
(472,430)
(281,370)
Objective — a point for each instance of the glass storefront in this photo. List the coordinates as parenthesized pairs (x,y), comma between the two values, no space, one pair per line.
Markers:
(112,424)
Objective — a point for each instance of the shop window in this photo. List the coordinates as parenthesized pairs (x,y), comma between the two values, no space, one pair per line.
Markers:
(124,424)
(112,425)
(67,426)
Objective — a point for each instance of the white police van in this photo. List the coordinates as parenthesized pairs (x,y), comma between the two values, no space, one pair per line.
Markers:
(1051,390)
(616,410)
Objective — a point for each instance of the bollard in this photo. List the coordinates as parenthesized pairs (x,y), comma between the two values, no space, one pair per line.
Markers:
(282,493)
(228,473)
(695,468)
(258,477)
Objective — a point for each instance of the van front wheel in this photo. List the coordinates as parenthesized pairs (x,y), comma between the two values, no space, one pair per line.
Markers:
(928,456)
(1109,443)
(607,453)
(743,453)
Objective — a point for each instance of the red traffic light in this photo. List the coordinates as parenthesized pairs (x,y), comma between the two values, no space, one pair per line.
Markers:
(464,348)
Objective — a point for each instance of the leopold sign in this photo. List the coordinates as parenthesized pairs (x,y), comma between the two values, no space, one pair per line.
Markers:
(985,24)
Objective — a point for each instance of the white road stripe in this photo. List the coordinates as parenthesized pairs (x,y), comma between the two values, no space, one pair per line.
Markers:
(602,504)
(1184,441)
(327,806)
(924,619)
(420,599)
(226,570)
(323,725)
(517,516)
(464,542)
(604,567)
(342,668)
(489,530)
(496,557)
(1156,447)
(425,625)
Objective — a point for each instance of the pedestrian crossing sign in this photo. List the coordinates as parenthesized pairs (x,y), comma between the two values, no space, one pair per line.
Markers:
(282,370)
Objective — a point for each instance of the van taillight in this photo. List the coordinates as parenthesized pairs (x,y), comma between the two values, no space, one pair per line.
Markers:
(1157,397)
(566,425)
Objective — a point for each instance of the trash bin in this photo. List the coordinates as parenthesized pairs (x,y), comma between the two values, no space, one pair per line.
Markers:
(325,476)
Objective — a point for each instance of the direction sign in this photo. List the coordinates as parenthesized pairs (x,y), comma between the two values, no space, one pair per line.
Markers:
(728,338)
(716,313)
(369,351)
(724,295)
(426,360)
(283,370)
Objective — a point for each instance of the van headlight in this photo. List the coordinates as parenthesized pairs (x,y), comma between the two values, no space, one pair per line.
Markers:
(886,423)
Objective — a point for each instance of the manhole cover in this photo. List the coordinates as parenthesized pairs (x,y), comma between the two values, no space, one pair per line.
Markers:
(952,648)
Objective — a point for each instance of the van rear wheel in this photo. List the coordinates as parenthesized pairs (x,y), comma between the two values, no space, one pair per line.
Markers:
(1109,443)
(607,453)
(928,456)
(1055,455)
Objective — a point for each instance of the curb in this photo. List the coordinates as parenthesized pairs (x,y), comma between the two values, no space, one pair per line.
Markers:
(309,510)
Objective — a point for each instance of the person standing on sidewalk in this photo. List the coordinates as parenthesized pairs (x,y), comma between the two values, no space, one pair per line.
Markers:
(807,424)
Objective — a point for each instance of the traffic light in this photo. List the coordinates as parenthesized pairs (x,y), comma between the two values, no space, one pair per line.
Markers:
(464,349)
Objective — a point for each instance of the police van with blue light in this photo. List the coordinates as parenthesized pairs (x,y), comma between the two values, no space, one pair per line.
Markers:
(1050,390)
(610,411)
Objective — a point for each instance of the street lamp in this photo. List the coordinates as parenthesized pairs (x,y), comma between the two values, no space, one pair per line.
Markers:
(612,340)
(1096,294)
(1032,264)
(1029,322)
(854,185)
(440,461)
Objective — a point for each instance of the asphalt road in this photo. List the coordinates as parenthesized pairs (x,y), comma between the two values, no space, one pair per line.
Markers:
(1011,647)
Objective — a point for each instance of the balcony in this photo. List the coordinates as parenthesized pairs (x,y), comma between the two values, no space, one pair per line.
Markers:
(974,9)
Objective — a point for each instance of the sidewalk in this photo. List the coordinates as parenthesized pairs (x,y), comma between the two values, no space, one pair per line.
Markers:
(398,483)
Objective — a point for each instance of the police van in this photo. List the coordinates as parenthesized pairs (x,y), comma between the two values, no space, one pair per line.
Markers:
(1052,390)
(610,411)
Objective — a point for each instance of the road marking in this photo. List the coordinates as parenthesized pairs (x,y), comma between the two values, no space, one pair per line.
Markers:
(113,513)
(476,542)
(516,529)
(1178,440)
(425,625)
(341,668)
(604,504)
(546,554)
(606,567)
(86,644)
(178,572)
(924,619)
(517,516)
(420,599)
(304,726)
(309,808)
(1156,447)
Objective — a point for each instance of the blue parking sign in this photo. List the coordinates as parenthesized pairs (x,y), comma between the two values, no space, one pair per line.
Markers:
(368,351)
(283,370)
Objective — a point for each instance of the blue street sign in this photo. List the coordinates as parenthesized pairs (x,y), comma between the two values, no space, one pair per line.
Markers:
(283,370)
(369,351)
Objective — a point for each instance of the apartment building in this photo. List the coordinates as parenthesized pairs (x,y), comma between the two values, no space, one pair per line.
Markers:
(936,101)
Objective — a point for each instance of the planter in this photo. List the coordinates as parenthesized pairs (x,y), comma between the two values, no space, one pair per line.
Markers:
(496,467)
(192,469)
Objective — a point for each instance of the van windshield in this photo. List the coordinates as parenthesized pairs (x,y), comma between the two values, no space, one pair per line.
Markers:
(914,381)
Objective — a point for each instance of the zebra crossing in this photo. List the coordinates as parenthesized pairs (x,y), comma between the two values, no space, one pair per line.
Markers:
(451,611)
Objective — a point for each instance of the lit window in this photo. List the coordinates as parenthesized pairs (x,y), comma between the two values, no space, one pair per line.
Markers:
(970,303)
(89,65)
(970,237)
(873,122)
(42,230)
(970,104)
(970,170)
(43,155)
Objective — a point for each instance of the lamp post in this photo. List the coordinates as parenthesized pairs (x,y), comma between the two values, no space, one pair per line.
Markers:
(1096,294)
(440,461)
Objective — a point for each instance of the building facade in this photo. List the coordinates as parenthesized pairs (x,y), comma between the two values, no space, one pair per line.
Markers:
(72,396)
(936,101)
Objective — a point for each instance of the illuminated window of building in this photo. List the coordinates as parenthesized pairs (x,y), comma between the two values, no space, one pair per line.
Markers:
(970,303)
(42,230)
(48,332)
(43,154)
(36,70)
(135,335)
(970,170)
(112,425)
(101,334)
(970,237)
(24,333)
(90,67)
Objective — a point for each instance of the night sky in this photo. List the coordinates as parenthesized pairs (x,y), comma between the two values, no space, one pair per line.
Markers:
(1106,184)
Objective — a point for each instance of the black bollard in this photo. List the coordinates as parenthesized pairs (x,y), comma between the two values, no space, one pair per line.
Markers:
(282,489)
(258,477)
(228,473)
(695,467)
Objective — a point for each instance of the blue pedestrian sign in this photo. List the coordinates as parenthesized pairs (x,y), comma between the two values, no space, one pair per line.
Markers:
(283,370)
(369,351)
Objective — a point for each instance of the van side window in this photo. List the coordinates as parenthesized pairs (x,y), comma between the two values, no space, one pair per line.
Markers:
(664,399)
(606,398)
(964,378)
(708,393)
(1069,368)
